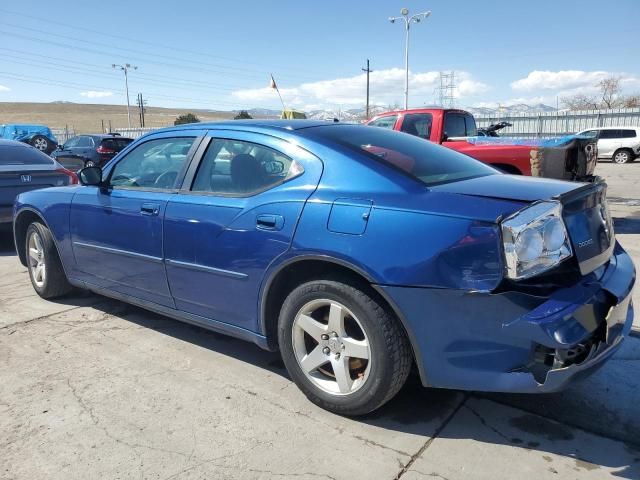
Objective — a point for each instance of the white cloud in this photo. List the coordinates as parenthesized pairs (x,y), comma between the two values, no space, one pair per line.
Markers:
(567,80)
(386,87)
(96,94)
(4,89)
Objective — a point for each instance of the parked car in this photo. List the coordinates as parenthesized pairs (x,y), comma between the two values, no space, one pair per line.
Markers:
(90,150)
(38,136)
(24,168)
(452,128)
(619,144)
(355,251)
(492,130)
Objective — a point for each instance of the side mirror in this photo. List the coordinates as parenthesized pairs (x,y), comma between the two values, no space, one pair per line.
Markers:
(60,147)
(90,176)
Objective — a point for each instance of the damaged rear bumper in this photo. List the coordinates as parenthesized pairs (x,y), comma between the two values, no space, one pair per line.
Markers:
(516,342)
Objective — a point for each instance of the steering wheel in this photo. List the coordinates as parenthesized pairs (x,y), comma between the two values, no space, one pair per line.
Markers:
(127,178)
(166,180)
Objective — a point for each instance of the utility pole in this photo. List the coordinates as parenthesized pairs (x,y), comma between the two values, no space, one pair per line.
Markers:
(368,70)
(407,24)
(141,109)
(125,68)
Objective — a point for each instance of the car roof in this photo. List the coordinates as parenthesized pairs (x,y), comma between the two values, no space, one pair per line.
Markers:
(273,124)
(621,127)
(13,143)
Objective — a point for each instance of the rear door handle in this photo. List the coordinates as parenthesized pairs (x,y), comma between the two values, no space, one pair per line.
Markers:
(269,222)
(150,209)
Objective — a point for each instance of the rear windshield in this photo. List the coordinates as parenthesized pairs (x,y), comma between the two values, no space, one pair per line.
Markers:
(23,155)
(116,143)
(425,161)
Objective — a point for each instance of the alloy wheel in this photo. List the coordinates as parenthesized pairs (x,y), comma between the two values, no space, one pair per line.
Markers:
(621,157)
(40,144)
(331,347)
(37,260)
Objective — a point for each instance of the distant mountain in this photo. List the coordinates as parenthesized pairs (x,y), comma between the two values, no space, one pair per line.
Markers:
(358,114)
(511,109)
(62,102)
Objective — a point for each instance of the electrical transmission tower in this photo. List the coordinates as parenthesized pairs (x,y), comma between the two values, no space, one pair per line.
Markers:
(447,89)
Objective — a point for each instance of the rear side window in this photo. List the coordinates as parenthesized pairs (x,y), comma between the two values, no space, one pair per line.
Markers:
(232,167)
(384,122)
(459,125)
(116,144)
(628,133)
(23,155)
(418,124)
(426,162)
(608,134)
(84,142)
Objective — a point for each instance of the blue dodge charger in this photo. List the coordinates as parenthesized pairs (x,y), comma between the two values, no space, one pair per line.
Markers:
(356,252)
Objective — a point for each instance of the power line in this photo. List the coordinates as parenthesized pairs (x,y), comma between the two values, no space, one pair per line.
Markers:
(142,41)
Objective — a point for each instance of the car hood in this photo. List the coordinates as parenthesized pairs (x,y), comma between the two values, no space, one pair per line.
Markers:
(509,187)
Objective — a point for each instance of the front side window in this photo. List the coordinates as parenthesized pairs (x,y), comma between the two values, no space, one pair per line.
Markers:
(233,167)
(153,164)
(384,122)
(72,142)
(590,134)
(426,162)
(418,124)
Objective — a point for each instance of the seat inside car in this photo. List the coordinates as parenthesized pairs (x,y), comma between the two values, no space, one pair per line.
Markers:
(246,173)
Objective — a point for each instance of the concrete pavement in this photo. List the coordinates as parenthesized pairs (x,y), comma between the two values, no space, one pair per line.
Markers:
(94,388)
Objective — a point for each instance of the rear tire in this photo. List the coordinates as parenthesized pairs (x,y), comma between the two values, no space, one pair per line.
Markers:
(42,143)
(622,156)
(367,342)
(45,269)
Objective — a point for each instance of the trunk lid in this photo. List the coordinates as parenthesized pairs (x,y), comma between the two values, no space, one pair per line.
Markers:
(23,178)
(589,224)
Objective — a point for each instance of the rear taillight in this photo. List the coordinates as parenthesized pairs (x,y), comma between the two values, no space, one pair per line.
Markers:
(103,150)
(73,178)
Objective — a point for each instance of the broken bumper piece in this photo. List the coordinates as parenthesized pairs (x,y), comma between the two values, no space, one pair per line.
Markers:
(517,342)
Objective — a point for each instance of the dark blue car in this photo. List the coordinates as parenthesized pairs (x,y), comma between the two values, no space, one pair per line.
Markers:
(357,252)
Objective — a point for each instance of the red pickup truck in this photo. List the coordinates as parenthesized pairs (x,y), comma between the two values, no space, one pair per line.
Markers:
(574,159)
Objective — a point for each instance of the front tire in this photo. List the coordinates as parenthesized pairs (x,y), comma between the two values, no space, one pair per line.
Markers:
(344,350)
(45,269)
(622,156)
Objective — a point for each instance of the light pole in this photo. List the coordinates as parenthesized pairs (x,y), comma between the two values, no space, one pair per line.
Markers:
(125,68)
(416,18)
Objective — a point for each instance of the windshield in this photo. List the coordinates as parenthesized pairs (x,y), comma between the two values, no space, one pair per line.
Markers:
(425,161)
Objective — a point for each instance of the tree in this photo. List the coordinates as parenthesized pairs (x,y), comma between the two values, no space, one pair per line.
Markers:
(243,115)
(609,89)
(186,118)
(631,101)
(580,102)
(609,97)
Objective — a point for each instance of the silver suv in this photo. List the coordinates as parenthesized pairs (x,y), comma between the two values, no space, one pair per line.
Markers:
(620,144)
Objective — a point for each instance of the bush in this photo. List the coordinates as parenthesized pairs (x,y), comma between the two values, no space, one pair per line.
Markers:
(243,115)
(187,118)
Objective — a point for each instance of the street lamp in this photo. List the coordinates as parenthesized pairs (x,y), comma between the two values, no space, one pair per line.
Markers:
(125,68)
(416,18)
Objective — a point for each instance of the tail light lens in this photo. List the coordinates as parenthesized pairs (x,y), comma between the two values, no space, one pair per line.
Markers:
(103,150)
(73,178)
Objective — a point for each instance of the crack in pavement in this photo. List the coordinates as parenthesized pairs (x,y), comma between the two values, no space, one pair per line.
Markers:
(428,443)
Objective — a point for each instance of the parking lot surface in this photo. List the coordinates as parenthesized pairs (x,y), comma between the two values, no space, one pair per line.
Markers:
(94,388)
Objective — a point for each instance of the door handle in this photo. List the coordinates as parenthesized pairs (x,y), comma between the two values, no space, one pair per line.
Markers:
(150,209)
(269,222)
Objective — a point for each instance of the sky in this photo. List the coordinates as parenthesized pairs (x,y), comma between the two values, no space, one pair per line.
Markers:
(219,54)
